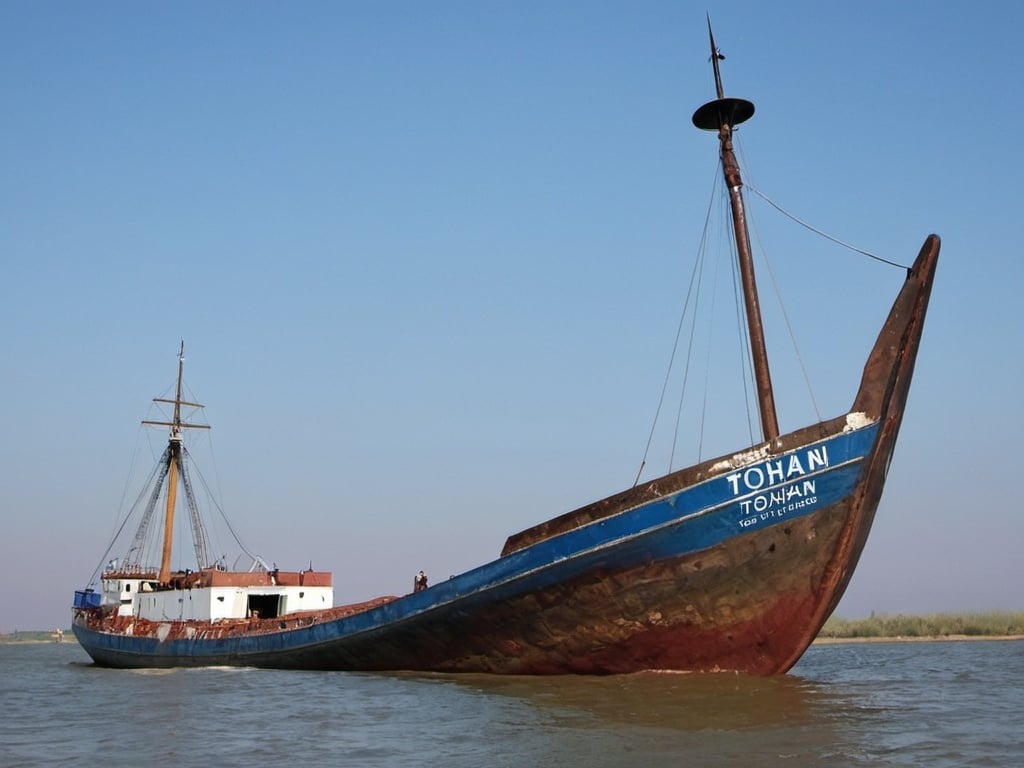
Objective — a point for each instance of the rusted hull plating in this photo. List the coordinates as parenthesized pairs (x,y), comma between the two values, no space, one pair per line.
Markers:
(731,565)
(728,607)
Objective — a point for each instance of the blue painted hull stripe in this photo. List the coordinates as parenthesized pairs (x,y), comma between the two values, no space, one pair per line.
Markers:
(686,522)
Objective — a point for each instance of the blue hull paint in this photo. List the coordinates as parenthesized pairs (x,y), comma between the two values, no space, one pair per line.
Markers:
(732,504)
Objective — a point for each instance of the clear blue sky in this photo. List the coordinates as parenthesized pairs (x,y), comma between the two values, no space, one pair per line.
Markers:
(428,260)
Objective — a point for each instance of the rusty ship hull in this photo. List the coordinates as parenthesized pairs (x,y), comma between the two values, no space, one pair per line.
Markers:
(733,564)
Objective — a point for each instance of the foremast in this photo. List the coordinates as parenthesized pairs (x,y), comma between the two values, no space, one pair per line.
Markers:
(173,459)
(722,115)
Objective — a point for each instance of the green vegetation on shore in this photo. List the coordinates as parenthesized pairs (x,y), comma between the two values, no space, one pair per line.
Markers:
(991,624)
(33,636)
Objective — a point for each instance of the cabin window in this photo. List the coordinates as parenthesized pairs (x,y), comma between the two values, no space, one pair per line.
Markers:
(267,606)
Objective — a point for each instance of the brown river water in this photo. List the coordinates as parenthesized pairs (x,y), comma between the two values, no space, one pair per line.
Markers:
(879,704)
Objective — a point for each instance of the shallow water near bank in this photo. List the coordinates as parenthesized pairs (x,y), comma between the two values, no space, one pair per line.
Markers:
(879,704)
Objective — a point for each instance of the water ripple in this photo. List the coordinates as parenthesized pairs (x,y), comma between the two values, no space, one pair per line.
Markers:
(935,704)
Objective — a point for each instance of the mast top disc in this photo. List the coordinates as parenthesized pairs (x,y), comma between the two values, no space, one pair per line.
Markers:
(725,111)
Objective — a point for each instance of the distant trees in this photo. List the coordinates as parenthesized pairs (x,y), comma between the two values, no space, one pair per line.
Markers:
(993,623)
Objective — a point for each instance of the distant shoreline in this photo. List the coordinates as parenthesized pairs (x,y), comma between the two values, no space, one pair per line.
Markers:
(65,641)
(909,639)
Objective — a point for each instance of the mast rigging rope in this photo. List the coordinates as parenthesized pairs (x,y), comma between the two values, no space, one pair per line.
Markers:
(817,231)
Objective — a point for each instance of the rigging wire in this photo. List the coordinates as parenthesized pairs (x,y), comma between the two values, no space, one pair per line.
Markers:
(699,276)
(686,372)
(697,270)
(200,538)
(696,277)
(775,284)
(816,231)
(140,552)
(710,345)
(213,500)
(120,529)
(142,546)
(127,481)
(742,326)
(789,325)
(213,495)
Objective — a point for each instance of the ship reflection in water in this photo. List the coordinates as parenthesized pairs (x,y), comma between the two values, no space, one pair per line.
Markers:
(941,704)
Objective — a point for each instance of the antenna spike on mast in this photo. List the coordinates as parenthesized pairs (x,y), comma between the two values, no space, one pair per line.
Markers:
(723,112)
(716,56)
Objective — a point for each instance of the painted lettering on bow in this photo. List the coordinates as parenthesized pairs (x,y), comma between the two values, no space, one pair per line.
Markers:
(779,486)
(776,471)
(778,502)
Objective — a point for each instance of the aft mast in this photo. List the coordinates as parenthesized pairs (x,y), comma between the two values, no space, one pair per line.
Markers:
(722,115)
(173,457)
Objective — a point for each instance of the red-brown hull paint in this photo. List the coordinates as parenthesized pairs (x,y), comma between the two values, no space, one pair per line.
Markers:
(752,603)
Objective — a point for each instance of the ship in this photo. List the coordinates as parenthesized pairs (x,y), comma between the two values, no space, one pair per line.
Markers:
(733,564)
